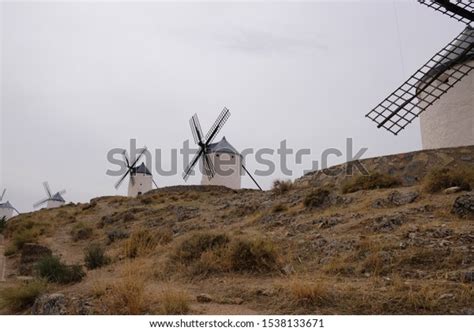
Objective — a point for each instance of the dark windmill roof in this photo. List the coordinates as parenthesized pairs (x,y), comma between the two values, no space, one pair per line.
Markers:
(222,146)
(57,197)
(451,59)
(141,169)
(6,205)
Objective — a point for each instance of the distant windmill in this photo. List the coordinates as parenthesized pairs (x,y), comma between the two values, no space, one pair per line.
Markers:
(52,200)
(6,208)
(141,179)
(221,156)
(444,86)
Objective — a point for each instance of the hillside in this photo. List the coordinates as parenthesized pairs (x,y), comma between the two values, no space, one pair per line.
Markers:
(394,242)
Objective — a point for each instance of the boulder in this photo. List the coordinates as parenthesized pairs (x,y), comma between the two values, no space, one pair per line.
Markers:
(30,255)
(50,304)
(464,206)
(451,190)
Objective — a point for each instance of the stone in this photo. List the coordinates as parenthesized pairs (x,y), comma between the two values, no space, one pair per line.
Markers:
(451,190)
(30,255)
(50,304)
(468,277)
(387,223)
(464,206)
(396,198)
(203,298)
(288,269)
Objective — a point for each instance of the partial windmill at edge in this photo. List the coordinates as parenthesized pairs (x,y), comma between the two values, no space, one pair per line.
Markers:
(443,86)
(6,208)
(220,153)
(52,200)
(141,179)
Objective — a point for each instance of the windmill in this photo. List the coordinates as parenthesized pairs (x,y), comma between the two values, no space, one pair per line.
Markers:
(52,200)
(6,208)
(141,179)
(444,86)
(220,156)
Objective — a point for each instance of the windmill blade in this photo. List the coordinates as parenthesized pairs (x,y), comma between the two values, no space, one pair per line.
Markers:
(62,192)
(196,129)
(250,175)
(39,203)
(154,182)
(427,85)
(461,10)
(218,124)
(121,179)
(3,194)
(127,162)
(190,166)
(138,158)
(47,189)
(208,166)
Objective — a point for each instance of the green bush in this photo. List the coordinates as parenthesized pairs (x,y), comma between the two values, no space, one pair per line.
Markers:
(253,255)
(21,296)
(54,271)
(442,178)
(94,257)
(370,182)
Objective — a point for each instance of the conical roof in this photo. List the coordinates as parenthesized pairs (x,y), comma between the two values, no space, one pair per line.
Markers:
(141,169)
(222,146)
(57,197)
(6,205)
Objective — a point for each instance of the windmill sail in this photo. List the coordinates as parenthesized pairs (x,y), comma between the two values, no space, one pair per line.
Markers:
(444,70)
(461,10)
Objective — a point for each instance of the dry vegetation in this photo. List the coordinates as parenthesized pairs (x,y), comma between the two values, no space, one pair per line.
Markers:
(368,245)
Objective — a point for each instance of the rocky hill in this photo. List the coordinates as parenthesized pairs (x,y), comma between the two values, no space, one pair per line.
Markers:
(397,240)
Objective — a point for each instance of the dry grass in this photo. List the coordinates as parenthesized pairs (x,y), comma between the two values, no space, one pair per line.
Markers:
(174,302)
(80,231)
(442,178)
(310,293)
(371,182)
(143,242)
(21,296)
(316,198)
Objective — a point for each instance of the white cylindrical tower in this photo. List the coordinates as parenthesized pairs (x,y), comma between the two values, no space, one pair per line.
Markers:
(449,122)
(142,181)
(6,210)
(227,163)
(56,201)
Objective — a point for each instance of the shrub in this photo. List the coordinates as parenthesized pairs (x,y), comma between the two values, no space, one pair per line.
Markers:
(316,198)
(94,257)
(371,182)
(81,232)
(54,271)
(21,296)
(24,236)
(144,241)
(281,186)
(253,255)
(116,234)
(174,302)
(278,208)
(442,178)
(197,243)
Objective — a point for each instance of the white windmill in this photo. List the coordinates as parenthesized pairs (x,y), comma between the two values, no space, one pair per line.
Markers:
(141,179)
(6,208)
(52,200)
(444,86)
(221,162)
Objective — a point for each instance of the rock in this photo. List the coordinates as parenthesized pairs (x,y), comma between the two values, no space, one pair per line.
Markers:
(30,255)
(446,296)
(468,277)
(288,269)
(387,223)
(451,190)
(395,198)
(464,206)
(50,304)
(203,298)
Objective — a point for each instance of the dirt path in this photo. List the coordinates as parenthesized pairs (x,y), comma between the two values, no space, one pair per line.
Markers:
(2,260)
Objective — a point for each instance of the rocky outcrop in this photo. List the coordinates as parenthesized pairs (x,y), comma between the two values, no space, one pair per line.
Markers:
(464,206)
(50,304)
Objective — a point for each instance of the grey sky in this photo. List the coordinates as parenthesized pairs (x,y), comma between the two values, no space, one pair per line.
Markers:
(81,78)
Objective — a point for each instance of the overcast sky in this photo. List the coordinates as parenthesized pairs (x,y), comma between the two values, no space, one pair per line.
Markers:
(78,79)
